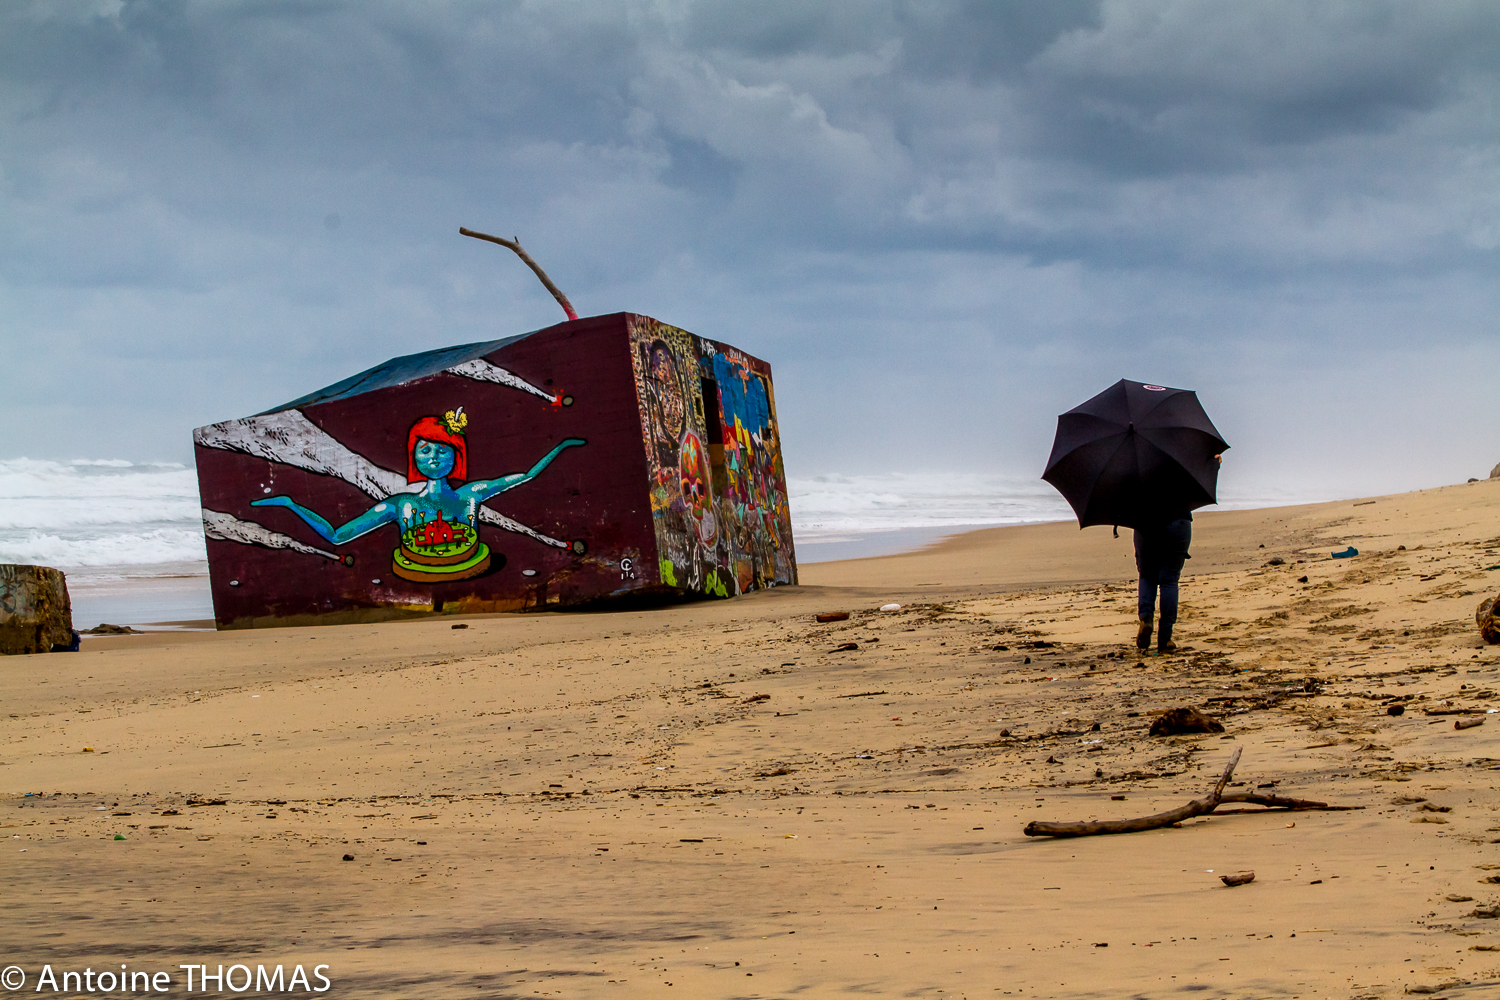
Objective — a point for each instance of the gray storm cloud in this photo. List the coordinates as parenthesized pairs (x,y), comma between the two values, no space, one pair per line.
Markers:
(942,223)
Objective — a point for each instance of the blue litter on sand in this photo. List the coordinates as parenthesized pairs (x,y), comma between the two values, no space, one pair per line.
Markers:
(1348,553)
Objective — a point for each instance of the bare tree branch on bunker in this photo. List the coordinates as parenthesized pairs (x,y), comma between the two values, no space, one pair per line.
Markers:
(1197,807)
(515,245)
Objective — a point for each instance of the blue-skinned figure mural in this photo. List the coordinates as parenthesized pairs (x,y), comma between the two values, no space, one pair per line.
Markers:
(439,519)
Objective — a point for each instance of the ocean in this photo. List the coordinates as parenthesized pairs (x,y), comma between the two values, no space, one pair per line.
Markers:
(130,535)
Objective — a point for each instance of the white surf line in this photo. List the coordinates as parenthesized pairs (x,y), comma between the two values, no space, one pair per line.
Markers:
(228,528)
(290,438)
(482,371)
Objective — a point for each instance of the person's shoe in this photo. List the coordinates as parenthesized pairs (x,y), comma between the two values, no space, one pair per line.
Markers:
(1165,646)
(1143,635)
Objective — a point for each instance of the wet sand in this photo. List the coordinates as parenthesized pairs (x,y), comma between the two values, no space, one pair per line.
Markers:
(714,797)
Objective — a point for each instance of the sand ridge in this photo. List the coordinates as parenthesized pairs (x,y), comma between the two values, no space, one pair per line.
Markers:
(601,804)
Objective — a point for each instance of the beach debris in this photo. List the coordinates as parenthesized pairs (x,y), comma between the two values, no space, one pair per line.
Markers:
(847,647)
(119,836)
(1395,710)
(348,857)
(104,628)
(1183,720)
(1174,817)
(459,625)
(87,750)
(1348,553)
(1485,912)
(832,616)
(1243,878)
(1488,619)
(890,607)
(755,698)
(1478,720)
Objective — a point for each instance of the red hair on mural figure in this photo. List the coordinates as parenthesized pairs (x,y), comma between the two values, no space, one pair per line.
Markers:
(448,430)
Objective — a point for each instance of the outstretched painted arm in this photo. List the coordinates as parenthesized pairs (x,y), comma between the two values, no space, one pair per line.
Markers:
(483,489)
(382,513)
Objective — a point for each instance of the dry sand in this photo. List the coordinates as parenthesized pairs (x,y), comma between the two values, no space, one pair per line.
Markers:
(710,801)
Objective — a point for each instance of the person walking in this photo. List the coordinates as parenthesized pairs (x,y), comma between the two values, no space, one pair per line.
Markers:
(1160,550)
(1141,456)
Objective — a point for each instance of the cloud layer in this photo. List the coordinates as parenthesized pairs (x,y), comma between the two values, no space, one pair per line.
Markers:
(942,222)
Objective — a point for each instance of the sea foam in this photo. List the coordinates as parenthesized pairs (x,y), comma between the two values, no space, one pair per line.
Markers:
(99,513)
(837,508)
(108,516)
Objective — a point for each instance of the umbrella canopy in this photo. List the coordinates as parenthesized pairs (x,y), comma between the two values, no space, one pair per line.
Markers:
(1136,454)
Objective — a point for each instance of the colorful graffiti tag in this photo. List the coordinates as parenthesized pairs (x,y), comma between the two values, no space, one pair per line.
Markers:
(718,486)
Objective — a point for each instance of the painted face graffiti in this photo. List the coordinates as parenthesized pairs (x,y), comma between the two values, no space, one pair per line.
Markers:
(432,459)
(717,497)
(695,480)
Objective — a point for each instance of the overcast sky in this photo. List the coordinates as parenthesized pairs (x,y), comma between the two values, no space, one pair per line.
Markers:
(942,223)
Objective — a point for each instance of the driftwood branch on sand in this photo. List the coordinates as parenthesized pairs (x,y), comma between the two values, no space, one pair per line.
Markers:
(515,245)
(1197,807)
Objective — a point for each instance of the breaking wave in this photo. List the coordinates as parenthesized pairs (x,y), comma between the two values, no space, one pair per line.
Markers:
(99,512)
(829,508)
(109,517)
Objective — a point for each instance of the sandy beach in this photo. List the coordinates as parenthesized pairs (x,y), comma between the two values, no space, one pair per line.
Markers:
(727,799)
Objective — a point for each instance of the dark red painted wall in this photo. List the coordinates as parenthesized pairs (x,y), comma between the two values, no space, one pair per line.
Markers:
(596,493)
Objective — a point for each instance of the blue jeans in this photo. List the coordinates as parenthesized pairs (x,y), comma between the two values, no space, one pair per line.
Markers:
(1160,551)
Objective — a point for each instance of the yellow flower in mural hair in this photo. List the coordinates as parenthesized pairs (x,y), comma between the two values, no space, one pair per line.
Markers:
(456,420)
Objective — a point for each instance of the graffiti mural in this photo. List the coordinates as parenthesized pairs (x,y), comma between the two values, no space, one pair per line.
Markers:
(387,493)
(755,481)
(439,521)
(718,486)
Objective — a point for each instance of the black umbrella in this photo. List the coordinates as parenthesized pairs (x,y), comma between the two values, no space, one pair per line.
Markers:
(1136,454)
